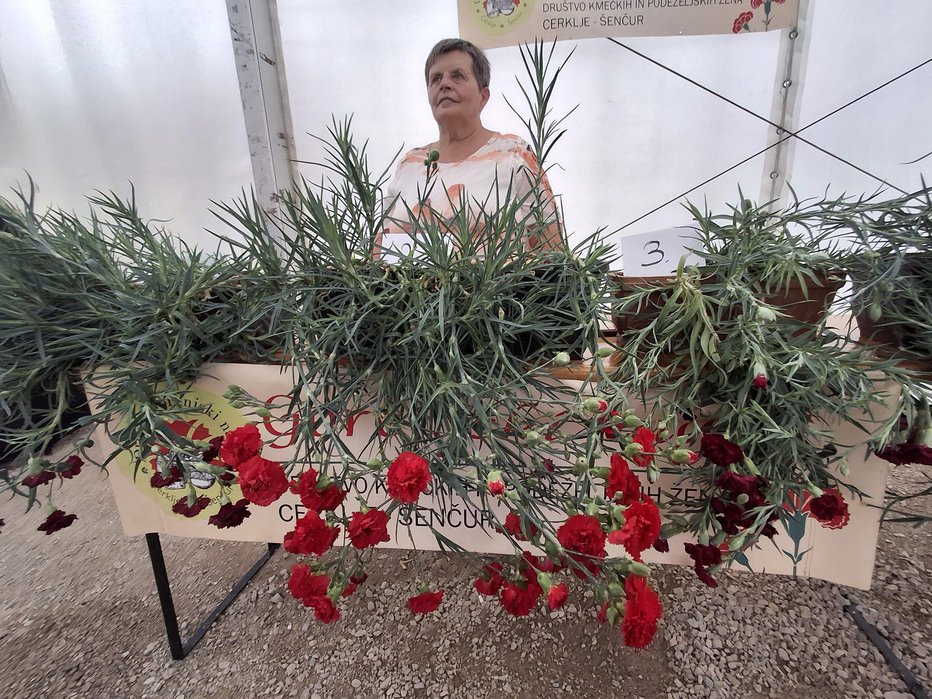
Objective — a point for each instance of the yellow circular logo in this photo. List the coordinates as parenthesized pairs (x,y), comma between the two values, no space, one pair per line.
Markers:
(501,16)
(215,418)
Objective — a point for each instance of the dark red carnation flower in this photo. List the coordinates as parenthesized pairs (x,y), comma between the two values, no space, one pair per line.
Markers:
(489,580)
(240,445)
(311,535)
(582,534)
(359,578)
(306,586)
(830,509)
(907,453)
(610,432)
(348,589)
(648,441)
(37,479)
(425,603)
(705,555)
(75,463)
(736,484)
(661,545)
(181,507)
(213,451)
(602,615)
(719,450)
(760,381)
(159,481)
(408,477)
(640,530)
(621,484)
(325,610)
(642,612)
(230,515)
(557,596)
(56,521)
(368,529)
(262,481)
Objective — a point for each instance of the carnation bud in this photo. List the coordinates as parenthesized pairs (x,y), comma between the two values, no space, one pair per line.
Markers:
(616,590)
(765,314)
(843,467)
(501,314)
(544,581)
(580,466)
(592,509)
(704,538)
(816,491)
(737,543)
(323,482)
(750,467)
(636,568)
(374,463)
(36,466)
(760,381)
(561,359)
(875,311)
(683,456)
(532,438)
(653,473)
(742,498)
(263,412)
(601,472)
(633,449)
(553,550)
(603,352)
(611,615)
(632,421)
(618,513)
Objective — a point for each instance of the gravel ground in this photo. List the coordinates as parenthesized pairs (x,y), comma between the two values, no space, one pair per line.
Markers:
(79,617)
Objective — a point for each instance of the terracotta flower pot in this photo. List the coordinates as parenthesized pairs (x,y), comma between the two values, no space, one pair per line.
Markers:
(807,305)
(645,313)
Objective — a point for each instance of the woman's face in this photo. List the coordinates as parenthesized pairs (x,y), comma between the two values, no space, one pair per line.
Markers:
(452,89)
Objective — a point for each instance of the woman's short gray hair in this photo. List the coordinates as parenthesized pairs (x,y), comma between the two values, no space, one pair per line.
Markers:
(480,64)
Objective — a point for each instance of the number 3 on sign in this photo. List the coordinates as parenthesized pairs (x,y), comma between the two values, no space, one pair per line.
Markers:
(657,253)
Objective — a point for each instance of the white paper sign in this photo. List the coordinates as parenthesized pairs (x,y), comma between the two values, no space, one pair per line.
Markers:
(657,253)
(396,245)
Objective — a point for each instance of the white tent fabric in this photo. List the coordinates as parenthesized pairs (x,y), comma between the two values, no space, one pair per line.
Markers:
(93,96)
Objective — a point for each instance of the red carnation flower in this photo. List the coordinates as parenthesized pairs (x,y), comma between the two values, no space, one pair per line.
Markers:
(582,534)
(230,515)
(56,521)
(368,529)
(648,440)
(602,615)
(610,432)
(75,463)
(543,563)
(519,598)
(262,481)
(489,580)
(37,479)
(621,483)
(557,596)
(306,586)
(513,526)
(425,603)
(240,445)
(311,535)
(907,453)
(642,611)
(830,509)
(719,450)
(181,507)
(325,610)
(496,487)
(408,477)
(322,500)
(159,481)
(640,530)
(760,381)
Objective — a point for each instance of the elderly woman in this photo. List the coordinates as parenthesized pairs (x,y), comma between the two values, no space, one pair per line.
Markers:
(469,165)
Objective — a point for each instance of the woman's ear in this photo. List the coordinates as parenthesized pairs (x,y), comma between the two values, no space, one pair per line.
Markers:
(484,95)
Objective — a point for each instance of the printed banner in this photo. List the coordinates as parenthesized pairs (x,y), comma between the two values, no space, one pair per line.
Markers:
(841,552)
(492,23)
